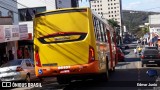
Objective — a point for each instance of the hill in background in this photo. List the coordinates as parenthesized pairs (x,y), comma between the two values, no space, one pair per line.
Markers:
(132,19)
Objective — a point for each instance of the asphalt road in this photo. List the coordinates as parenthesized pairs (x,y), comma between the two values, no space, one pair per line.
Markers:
(126,77)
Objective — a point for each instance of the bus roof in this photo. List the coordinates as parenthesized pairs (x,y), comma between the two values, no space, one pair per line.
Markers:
(94,13)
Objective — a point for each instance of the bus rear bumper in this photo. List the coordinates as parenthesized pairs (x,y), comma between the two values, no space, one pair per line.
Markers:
(90,68)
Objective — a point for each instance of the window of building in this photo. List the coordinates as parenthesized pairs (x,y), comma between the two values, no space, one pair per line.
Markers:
(111,11)
(112,16)
(108,8)
(114,7)
(27,14)
(111,7)
(108,4)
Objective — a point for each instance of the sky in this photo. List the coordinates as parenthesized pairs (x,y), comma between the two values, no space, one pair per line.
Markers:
(140,5)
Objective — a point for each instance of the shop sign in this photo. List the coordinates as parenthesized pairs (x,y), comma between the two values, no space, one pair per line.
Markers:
(15,32)
(9,33)
(7,30)
(23,31)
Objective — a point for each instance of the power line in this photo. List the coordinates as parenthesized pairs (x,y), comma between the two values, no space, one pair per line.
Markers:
(20,3)
(8,9)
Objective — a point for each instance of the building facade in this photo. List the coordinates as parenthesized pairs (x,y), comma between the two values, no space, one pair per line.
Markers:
(108,9)
(66,3)
(154,28)
(8,29)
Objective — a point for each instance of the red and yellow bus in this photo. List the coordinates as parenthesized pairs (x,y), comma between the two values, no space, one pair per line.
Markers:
(73,42)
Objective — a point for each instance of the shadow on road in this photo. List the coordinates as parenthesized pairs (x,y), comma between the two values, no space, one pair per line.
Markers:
(132,59)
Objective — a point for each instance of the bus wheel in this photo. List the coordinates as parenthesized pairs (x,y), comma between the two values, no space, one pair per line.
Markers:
(63,80)
(105,76)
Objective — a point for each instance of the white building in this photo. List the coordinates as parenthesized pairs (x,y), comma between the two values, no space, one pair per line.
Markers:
(154,25)
(8,16)
(66,3)
(108,9)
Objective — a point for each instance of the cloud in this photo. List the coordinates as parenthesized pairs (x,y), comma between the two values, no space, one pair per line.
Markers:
(132,5)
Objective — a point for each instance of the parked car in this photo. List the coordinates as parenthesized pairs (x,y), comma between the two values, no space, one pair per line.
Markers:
(151,47)
(120,54)
(18,70)
(148,47)
(150,56)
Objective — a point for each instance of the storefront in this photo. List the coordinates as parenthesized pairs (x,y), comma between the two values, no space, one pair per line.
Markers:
(26,44)
(9,37)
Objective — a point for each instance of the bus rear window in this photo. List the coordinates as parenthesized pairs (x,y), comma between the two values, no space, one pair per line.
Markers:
(61,11)
(62,37)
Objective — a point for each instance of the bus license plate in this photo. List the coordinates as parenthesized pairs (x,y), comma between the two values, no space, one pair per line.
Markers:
(64,71)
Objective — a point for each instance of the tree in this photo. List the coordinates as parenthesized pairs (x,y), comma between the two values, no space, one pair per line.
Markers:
(140,32)
(113,23)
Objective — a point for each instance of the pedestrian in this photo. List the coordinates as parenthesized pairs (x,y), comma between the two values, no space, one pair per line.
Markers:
(5,59)
(26,53)
(135,51)
(19,53)
(11,56)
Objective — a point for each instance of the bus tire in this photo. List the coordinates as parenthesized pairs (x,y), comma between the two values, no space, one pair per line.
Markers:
(105,76)
(63,80)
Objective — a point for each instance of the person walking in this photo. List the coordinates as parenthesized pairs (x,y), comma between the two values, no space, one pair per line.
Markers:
(11,56)
(26,53)
(19,53)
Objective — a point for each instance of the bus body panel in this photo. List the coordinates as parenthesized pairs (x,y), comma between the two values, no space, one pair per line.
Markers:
(64,40)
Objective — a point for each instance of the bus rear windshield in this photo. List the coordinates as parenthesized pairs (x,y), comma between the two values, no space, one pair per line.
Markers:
(60,11)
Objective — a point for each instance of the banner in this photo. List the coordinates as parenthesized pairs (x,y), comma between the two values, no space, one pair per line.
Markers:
(13,32)
(23,31)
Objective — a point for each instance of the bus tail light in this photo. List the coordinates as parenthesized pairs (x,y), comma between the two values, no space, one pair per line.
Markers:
(37,59)
(91,54)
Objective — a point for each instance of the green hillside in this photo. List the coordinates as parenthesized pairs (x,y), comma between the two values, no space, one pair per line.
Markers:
(132,19)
